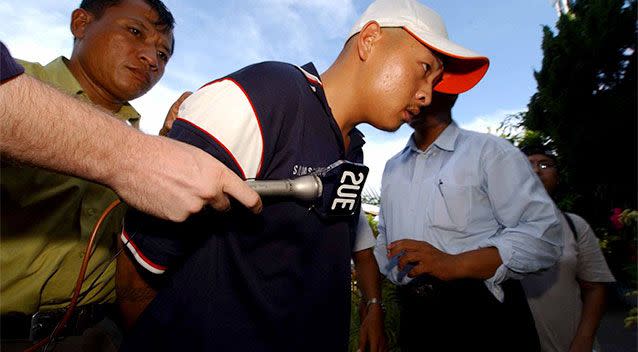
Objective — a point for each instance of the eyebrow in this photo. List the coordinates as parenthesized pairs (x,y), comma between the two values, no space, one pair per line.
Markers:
(146,28)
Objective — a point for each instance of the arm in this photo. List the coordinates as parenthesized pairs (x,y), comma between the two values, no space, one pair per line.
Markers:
(477,264)
(132,291)
(372,331)
(593,295)
(47,128)
(526,240)
(529,239)
(153,245)
(592,274)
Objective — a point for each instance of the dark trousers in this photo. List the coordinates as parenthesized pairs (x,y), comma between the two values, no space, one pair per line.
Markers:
(463,315)
(91,328)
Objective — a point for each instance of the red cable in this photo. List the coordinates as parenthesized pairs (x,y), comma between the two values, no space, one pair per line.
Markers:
(78,283)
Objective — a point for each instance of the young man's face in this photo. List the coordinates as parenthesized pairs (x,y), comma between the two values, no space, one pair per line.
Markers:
(402,74)
(124,52)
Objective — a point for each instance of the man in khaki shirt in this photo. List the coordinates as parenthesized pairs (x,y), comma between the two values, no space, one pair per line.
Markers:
(46,218)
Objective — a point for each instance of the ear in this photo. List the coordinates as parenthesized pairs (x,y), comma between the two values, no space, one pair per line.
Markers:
(368,36)
(80,19)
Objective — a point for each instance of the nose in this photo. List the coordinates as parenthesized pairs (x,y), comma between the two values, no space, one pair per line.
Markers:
(536,169)
(424,94)
(148,55)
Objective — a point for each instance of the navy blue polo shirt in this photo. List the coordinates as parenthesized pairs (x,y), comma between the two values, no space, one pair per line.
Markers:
(9,68)
(243,282)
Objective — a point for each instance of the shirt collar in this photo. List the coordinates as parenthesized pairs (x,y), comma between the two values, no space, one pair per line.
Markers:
(445,141)
(314,80)
(60,73)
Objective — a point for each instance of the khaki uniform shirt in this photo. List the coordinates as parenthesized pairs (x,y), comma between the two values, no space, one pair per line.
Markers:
(46,219)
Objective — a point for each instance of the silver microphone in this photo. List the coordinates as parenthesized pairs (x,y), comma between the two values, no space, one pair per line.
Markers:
(308,187)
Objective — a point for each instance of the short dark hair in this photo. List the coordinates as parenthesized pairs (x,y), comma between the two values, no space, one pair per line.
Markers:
(166,19)
(538,149)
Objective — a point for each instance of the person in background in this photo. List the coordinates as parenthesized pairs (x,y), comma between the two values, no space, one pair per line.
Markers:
(281,281)
(567,300)
(120,52)
(462,218)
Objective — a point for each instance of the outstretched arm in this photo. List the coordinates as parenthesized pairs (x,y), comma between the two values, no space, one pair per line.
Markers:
(47,128)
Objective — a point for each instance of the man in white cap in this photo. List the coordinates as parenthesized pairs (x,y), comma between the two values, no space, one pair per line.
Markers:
(461,218)
(280,281)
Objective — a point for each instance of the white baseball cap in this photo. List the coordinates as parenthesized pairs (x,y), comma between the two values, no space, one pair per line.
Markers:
(463,69)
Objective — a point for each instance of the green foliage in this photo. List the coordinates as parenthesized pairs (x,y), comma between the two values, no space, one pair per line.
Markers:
(619,243)
(373,224)
(586,103)
(632,317)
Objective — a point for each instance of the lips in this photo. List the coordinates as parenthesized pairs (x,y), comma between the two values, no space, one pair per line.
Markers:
(409,114)
(141,75)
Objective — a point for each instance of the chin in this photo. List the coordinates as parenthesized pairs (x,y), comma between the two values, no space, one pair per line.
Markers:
(416,123)
(132,95)
(133,90)
(390,128)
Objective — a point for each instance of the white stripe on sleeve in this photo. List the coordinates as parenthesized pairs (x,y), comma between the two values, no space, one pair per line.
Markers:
(224,111)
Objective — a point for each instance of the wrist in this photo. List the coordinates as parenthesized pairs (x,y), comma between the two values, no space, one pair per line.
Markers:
(374,304)
(455,267)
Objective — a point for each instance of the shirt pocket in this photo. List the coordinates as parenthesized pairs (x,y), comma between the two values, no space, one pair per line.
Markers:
(450,206)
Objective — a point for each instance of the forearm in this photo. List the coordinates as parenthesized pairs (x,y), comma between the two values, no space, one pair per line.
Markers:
(477,264)
(133,292)
(168,179)
(593,295)
(47,128)
(372,331)
(368,276)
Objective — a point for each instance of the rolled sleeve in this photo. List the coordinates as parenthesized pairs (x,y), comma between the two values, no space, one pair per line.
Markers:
(530,239)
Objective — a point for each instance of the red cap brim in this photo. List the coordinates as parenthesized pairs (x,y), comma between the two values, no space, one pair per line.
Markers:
(460,73)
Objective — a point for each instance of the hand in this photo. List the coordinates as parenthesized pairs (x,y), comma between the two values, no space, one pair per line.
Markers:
(425,258)
(172,114)
(372,331)
(172,180)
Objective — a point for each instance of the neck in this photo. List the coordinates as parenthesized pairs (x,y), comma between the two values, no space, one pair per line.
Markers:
(427,132)
(97,94)
(336,84)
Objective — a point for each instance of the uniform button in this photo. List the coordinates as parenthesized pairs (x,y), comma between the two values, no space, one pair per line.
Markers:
(91,211)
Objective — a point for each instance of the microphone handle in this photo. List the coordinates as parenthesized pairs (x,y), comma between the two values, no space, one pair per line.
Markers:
(307,187)
(272,187)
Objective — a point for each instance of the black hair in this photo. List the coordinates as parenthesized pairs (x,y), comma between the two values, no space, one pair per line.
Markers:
(97,8)
(166,19)
(538,149)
